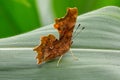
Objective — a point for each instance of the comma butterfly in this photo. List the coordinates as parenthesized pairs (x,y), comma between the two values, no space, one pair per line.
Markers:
(51,47)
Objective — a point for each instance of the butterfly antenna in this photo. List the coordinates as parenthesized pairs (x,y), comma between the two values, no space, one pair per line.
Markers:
(78,32)
(77,28)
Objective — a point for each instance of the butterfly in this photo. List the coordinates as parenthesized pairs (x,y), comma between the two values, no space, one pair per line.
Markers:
(50,46)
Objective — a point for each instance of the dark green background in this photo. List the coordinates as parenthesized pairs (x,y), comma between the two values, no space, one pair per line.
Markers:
(20,16)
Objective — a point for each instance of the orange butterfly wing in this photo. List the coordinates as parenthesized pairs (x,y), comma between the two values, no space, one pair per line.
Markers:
(51,47)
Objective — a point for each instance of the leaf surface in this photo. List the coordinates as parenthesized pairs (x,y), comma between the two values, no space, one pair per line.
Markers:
(97,47)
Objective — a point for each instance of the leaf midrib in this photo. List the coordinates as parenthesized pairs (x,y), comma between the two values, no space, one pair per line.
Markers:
(73,49)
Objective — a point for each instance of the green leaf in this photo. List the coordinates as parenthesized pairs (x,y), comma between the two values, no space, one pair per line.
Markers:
(59,6)
(97,48)
(18,16)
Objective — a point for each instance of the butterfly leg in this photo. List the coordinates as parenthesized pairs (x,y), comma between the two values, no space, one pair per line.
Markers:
(59,60)
(74,57)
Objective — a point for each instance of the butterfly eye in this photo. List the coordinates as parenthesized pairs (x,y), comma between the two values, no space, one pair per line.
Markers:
(58,28)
